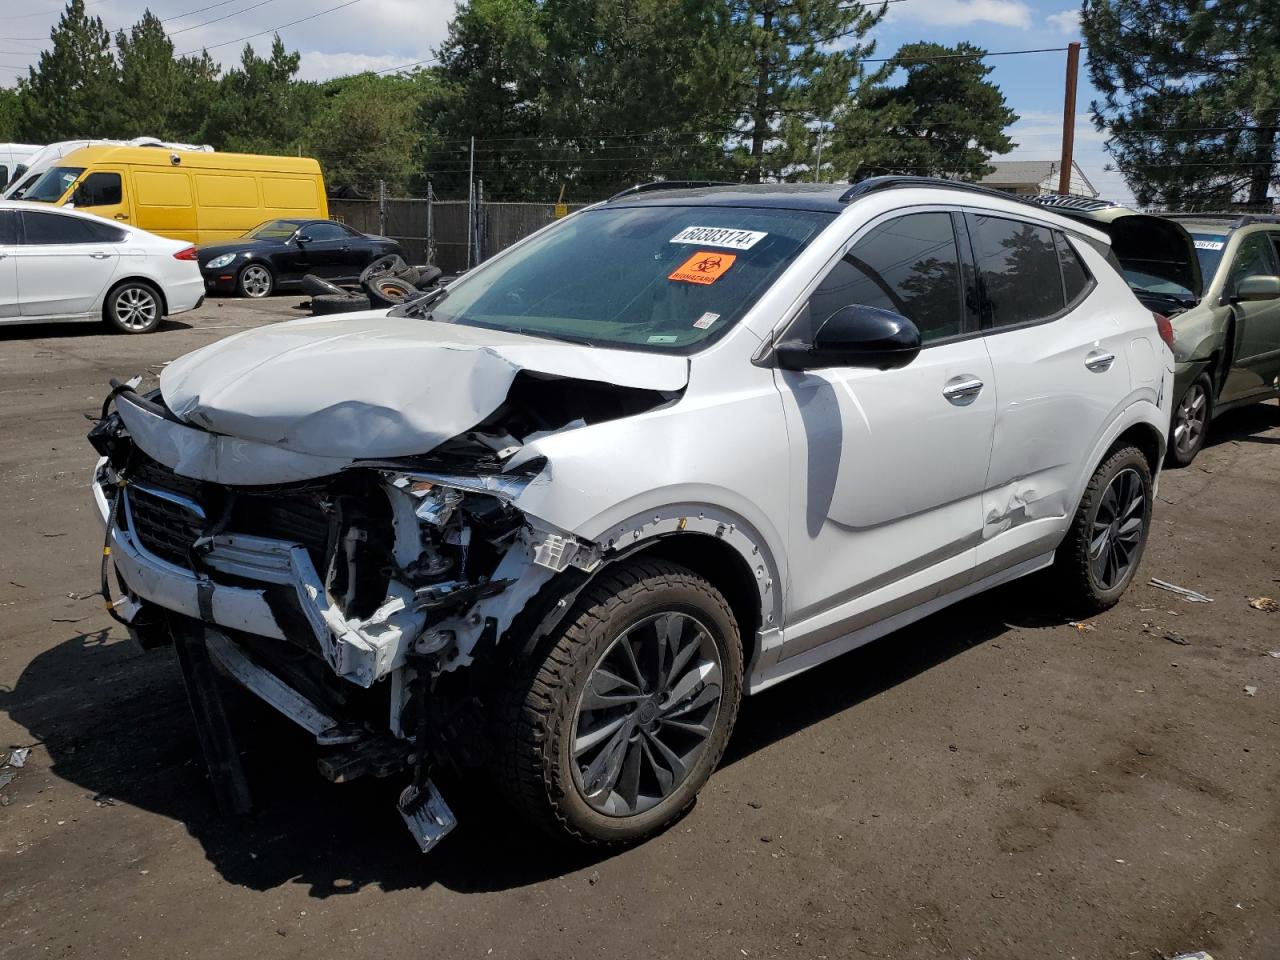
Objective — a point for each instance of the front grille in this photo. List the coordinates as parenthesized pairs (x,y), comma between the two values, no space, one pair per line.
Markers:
(168,512)
(162,525)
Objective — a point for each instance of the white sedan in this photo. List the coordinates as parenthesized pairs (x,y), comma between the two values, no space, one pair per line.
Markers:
(68,265)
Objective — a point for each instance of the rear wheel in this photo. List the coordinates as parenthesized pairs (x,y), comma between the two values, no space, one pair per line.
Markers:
(626,709)
(134,307)
(1100,555)
(255,281)
(1191,421)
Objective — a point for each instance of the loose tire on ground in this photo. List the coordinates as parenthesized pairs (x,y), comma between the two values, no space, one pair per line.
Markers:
(255,280)
(387,290)
(1114,515)
(391,263)
(334,303)
(314,286)
(1191,417)
(549,707)
(133,307)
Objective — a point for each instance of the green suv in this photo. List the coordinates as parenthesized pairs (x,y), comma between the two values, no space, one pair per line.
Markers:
(1217,278)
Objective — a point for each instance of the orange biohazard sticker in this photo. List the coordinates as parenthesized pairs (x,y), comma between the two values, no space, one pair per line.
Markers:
(704,267)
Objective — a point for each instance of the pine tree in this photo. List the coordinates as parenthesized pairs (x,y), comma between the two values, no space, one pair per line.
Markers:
(71,90)
(150,81)
(944,119)
(260,107)
(1190,95)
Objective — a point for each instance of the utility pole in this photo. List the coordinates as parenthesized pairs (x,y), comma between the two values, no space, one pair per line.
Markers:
(1069,118)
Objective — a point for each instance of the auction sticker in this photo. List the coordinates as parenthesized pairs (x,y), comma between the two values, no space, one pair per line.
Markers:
(706,320)
(704,267)
(1210,244)
(720,237)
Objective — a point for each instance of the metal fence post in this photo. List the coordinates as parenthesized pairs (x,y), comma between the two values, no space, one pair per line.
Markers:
(382,208)
(471,200)
(480,231)
(431,226)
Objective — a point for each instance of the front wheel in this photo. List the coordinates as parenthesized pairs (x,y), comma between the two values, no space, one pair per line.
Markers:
(1099,557)
(133,307)
(1191,421)
(624,712)
(255,281)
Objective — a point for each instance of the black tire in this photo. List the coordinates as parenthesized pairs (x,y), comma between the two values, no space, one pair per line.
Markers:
(314,286)
(333,303)
(1076,564)
(426,277)
(256,281)
(133,307)
(388,290)
(391,263)
(1192,415)
(538,705)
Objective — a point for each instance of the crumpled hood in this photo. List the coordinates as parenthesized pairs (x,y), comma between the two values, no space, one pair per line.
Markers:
(366,385)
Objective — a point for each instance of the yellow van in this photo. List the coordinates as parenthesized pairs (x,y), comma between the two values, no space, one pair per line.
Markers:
(196,197)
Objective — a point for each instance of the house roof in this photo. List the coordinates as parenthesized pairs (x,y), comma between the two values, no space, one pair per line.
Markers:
(1023,172)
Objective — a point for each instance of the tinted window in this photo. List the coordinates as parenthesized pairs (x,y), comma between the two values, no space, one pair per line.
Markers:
(54,228)
(324,231)
(4,174)
(99,190)
(908,265)
(1075,278)
(1254,258)
(8,227)
(1018,264)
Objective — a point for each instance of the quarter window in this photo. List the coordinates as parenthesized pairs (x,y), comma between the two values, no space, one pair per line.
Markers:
(909,265)
(1018,264)
(99,190)
(42,228)
(1075,278)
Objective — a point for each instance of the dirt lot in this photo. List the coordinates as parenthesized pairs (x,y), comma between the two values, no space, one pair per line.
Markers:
(992,783)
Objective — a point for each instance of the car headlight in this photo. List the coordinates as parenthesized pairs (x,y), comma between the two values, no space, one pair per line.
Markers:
(221,261)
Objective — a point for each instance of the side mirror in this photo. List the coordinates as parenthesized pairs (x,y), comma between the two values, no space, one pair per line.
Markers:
(1258,288)
(301,238)
(855,336)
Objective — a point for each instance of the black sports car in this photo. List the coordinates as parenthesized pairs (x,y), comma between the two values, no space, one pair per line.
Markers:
(279,253)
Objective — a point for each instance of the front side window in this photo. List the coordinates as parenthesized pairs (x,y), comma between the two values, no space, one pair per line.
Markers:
(324,231)
(660,278)
(8,228)
(1018,266)
(275,230)
(99,190)
(908,265)
(1254,258)
(47,228)
(53,183)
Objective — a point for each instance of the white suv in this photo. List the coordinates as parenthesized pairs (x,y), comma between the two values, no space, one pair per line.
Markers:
(554,520)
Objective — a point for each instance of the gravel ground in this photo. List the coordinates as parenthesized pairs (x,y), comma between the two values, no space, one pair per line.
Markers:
(993,782)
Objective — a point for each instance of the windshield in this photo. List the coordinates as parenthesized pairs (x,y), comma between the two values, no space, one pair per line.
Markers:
(53,184)
(274,230)
(650,278)
(1209,247)
(1147,283)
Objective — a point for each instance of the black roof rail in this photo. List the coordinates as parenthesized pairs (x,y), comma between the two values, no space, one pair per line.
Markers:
(668,185)
(1238,220)
(895,181)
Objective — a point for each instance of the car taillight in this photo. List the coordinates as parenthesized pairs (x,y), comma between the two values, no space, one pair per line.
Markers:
(1165,328)
(188,254)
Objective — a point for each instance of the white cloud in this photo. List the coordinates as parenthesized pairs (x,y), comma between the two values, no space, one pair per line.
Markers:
(1007,13)
(319,65)
(1067,22)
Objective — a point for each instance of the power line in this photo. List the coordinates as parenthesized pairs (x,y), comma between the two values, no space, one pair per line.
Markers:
(45,13)
(227,16)
(291,23)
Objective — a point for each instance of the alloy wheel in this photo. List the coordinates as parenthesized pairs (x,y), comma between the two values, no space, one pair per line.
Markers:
(1189,421)
(1118,529)
(646,713)
(255,281)
(136,308)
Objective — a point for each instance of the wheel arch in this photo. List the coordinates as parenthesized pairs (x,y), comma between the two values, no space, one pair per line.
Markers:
(137,278)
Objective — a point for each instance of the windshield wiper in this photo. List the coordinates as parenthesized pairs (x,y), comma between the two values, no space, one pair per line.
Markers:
(416,308)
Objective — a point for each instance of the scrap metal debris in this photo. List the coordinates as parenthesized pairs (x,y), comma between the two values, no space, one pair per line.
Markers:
(1265,604)
(1198,955)
(1177,638)
(1193,596)
(1250,690)
(19,757)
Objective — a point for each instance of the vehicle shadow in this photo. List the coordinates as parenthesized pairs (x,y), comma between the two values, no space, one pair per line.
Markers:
(74,329)
(1245,425)
(115,723)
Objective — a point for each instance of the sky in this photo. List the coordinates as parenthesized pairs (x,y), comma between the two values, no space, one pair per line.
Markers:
(380,34)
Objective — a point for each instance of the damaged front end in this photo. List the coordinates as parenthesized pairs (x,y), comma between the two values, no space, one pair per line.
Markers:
(349,594)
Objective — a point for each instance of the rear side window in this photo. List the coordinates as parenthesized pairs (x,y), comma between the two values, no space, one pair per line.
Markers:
(909,265)
(99,190)
(8,227)
(1018,266)
(1075,278)
(43,228)
(325,231)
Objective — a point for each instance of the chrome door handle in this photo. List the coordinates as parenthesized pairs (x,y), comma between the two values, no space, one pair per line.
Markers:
(1098,361)
(962,388)
(100,256)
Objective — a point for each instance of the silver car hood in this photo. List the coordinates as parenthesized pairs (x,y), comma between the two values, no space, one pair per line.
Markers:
(367,385)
